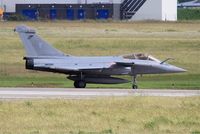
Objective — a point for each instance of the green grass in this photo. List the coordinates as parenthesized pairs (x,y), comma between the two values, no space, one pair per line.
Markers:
(101,116)
(178,40)
(189,14)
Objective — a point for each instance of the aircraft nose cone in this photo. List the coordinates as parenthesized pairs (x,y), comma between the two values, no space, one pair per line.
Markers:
(175,69)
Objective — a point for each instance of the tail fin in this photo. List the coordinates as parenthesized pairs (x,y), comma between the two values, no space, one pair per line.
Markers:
(34,45)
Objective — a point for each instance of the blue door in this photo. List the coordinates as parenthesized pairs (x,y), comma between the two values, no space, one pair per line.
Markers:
(30,14)
(53,14)
(81,14)
(70,14)
(102,14)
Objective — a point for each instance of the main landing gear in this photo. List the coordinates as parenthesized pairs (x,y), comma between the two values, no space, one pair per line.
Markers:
(80,83)
(134,83)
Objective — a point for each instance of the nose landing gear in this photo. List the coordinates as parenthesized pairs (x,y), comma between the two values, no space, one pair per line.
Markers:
(134,83)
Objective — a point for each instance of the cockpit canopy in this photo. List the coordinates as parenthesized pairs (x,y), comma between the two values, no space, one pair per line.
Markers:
(140,56)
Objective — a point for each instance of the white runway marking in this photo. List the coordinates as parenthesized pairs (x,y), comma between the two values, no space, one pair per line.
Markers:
(31,93)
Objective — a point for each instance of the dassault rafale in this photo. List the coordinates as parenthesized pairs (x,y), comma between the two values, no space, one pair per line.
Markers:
(41,56)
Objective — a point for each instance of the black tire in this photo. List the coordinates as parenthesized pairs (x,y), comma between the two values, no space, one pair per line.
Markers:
(134,87)
(76,84)
(79,84)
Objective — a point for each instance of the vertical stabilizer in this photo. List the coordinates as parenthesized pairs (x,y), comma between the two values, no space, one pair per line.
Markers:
(34,45)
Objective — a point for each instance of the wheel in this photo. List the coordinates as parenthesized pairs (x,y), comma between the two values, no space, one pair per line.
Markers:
(79,84)
(134,87)
(76,84)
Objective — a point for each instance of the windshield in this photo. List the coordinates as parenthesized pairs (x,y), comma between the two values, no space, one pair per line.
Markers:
(140,56)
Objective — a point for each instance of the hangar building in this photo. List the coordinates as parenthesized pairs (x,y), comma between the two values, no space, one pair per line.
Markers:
(161,10)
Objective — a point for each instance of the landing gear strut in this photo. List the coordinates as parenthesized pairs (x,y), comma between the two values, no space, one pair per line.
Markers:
(80,83)
(134,83)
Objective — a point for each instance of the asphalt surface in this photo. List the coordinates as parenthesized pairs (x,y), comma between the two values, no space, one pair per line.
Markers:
(67,93)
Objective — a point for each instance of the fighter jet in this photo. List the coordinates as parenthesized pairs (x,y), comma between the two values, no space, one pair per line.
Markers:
(41,56)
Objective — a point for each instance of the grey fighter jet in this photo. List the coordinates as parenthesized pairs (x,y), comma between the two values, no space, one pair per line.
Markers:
(82,70)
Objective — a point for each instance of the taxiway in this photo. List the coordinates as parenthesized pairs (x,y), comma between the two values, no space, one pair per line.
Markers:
(67,93)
